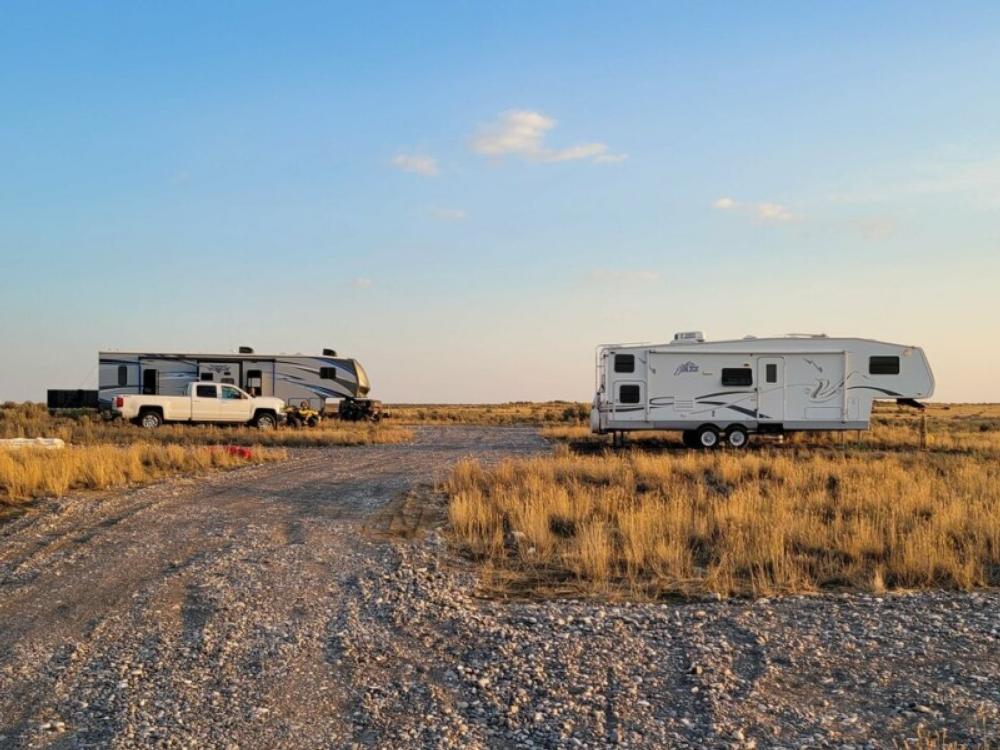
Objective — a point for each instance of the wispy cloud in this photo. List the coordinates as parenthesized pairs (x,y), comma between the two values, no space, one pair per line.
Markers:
(877,227)
(767,212)
(623,277)
(362,283)
(416,163)
(977,178)
(446,214)
(522,133)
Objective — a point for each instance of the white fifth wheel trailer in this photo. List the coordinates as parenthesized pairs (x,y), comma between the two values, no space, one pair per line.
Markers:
(723,391)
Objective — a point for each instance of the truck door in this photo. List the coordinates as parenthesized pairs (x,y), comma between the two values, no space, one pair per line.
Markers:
(234,406)
(770,389)
(205,402)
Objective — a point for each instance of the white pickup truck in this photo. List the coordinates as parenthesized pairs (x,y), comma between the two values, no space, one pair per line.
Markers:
(203,402)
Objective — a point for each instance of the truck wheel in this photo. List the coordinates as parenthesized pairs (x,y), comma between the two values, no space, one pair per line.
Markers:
(737,437)
(265,422)
(150,420)
(708,437)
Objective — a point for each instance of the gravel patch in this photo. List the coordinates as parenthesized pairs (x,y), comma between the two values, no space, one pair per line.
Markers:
(252,609)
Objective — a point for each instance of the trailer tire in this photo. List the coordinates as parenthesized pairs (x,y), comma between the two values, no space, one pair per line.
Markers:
(708,437)
(150,419)
(265,421)
(737,437)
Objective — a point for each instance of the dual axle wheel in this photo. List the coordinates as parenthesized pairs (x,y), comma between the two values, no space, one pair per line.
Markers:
(708,436)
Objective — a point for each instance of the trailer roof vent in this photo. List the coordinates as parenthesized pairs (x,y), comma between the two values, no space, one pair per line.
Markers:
(246,350)
(689,337)
(329,352)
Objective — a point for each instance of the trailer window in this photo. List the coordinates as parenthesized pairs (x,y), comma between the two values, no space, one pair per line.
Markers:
(207,377)
(771,374)
(328,373)
(628,394)
(122,376)
(883,365)
(737,376)
(205,391)
(624,363)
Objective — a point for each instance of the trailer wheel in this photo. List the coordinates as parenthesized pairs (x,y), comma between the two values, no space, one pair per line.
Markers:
(265,421)
(737,437)
(690,439)
(708,436)
(150,420)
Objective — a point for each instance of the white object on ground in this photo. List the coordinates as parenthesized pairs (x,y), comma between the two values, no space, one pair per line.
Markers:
(50,443)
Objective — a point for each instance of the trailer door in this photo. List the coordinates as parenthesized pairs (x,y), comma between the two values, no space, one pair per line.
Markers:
(770,389)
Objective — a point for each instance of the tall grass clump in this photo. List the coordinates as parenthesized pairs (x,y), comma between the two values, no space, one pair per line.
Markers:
(750,523)
(88,428)
(35,472)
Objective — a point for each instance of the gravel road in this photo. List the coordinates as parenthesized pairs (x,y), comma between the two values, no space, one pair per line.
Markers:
(263,608)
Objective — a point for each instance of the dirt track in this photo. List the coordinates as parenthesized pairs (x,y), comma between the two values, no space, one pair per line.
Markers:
(255,609)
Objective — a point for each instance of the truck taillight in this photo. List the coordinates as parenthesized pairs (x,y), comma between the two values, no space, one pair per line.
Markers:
(119,402)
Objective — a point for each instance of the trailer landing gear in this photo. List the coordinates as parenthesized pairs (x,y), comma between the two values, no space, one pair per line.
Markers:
(618,439)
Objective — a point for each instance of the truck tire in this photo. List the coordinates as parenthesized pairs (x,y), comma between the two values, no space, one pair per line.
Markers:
(708,437)
(737,437)
(150,419)
(265,421)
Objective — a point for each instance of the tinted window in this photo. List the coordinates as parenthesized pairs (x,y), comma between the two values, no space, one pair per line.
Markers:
(883,365)
(328,373)
(737,376)
(624,363)
(628,394)
(772,374)
(122,376)
(205,391)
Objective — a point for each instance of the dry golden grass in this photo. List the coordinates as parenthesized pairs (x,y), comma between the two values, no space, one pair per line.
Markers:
(514,413)
(756,522)
(87,428)
(35,472)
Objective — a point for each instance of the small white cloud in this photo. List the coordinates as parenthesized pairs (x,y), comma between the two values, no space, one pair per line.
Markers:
(618,276)
(773,212)
(416,163)
(768,212)
(447,214)
(362,283)
(522,133)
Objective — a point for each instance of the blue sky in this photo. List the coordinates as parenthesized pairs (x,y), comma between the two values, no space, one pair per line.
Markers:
(469,197)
